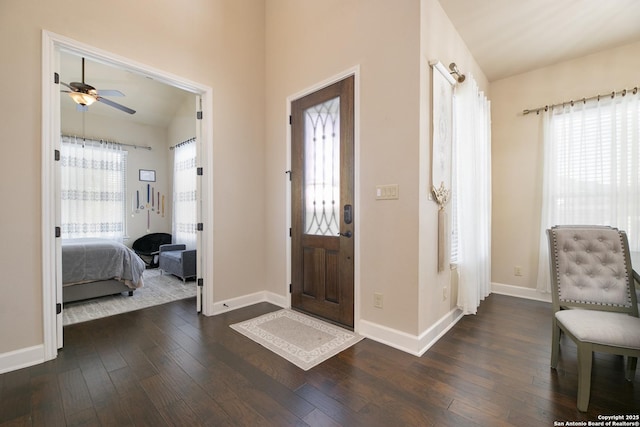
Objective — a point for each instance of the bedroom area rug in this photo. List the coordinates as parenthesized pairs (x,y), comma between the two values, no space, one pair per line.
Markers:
(302,340)
(158,289)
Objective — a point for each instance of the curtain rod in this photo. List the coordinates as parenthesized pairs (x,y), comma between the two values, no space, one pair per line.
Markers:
(622,92)
(193,138)
(144,147)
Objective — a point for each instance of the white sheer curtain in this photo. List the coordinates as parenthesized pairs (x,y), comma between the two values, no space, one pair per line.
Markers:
(591,170)
(184,194)
(93,185)
(472,185)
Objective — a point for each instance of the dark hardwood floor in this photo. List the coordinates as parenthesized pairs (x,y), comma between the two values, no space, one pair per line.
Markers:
(166,365)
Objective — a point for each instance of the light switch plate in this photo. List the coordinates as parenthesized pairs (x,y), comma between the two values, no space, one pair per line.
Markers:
(387,192)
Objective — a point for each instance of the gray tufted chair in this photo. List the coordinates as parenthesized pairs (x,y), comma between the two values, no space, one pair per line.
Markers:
(594,300)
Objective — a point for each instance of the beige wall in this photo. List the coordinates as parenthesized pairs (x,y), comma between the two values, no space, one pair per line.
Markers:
(183,124)
(516,148)
(213,42)
(308,42)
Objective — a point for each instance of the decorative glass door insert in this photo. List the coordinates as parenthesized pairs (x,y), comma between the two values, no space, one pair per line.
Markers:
(322,168)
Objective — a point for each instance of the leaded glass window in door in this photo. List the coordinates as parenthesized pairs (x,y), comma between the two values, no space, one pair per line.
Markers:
(322,168)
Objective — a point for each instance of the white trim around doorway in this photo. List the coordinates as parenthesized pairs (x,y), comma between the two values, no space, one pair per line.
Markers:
(51,44)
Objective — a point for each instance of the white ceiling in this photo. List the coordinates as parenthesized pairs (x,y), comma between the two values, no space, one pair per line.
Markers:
(508,37)
(155,103)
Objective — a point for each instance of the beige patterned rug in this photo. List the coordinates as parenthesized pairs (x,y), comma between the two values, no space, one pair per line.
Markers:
(303,340)
(158,289)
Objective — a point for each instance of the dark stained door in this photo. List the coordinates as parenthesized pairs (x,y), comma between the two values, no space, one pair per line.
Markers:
(322,248)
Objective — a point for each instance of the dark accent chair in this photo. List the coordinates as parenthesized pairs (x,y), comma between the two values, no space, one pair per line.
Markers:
(176,260)
(147,247)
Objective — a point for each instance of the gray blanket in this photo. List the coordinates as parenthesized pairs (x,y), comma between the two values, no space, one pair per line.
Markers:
(86,260)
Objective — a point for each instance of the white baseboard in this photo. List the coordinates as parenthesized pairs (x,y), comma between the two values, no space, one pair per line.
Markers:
(22,358)
(412,344)
(520,292)
(247,300)
(441,327)
(279,300)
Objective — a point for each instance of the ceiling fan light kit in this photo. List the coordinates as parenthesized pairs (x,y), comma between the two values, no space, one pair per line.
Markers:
(82,98)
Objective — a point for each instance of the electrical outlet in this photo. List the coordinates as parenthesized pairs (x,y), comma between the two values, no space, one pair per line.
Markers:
(377,300)
(517,270)
(445,293)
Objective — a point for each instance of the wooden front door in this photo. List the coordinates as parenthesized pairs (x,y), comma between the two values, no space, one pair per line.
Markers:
(322,175)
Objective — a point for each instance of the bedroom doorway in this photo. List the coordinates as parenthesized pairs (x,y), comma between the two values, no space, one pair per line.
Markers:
(54,47)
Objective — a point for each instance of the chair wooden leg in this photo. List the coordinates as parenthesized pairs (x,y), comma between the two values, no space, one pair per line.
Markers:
(585,360)
(630,372)
(555,344)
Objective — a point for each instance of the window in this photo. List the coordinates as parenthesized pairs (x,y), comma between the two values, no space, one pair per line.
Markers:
(594,166)
(471,195)
(93,184)
(591,169)
(185,200)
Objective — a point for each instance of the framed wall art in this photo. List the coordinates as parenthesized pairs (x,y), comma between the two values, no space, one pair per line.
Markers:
(147,175)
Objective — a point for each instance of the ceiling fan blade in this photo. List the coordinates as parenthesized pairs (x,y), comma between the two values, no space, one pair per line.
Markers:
(115,105)
(110,92)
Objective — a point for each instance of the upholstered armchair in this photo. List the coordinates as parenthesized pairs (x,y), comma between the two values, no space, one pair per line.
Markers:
(594,300)
(176,260)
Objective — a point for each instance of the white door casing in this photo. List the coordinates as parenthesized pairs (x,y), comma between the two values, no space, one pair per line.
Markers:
(51,260)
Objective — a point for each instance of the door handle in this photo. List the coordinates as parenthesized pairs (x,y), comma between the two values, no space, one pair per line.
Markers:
(348,234)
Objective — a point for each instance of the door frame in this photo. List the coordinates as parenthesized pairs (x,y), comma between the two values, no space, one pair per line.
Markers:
(51,45)
(355,72)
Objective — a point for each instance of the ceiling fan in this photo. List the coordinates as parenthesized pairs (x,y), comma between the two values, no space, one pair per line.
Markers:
(85,95)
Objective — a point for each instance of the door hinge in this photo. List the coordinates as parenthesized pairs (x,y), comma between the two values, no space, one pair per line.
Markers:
(290,173)
(200,282)
(58,232)
(290,288)
(200,171)
(200,226)
(58,308)
(56,155)
(290,233)
(199,115)
(56,78)
(290,119)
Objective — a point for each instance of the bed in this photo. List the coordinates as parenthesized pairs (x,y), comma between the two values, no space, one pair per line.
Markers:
(97,267)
